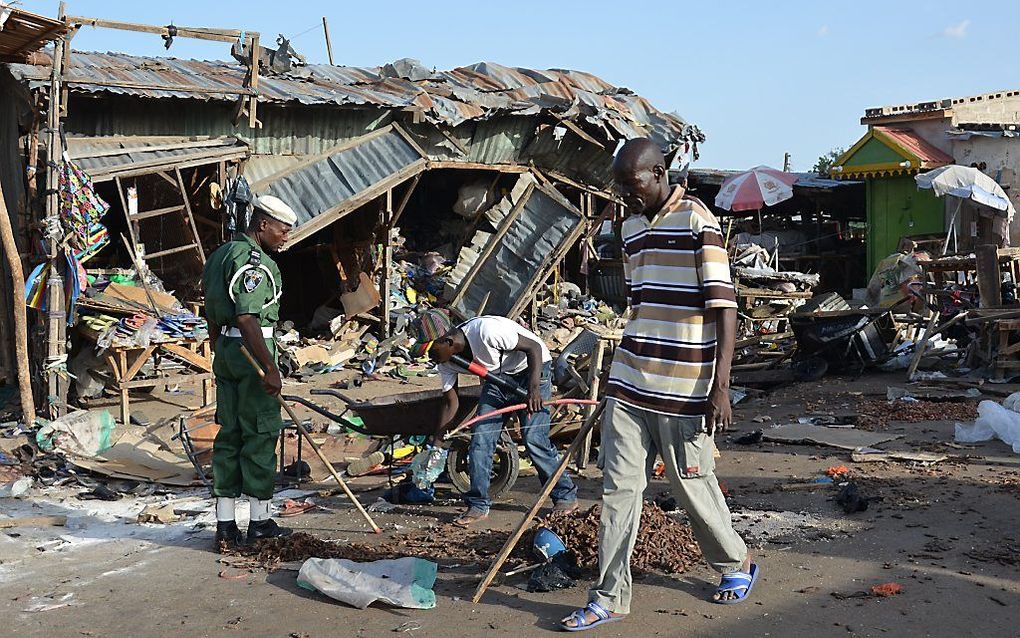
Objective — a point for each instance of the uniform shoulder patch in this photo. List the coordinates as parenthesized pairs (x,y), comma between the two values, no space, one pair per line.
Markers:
(254,257)
(252,278)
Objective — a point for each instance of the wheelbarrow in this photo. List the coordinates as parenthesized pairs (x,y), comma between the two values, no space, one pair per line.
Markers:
(418,414)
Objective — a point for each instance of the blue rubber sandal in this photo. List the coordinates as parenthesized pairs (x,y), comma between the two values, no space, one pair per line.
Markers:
(580,617)
(739,583)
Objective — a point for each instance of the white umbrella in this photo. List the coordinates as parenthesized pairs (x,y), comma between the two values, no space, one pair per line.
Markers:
(967,183)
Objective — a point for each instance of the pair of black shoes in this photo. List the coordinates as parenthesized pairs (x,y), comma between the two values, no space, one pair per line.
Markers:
(227,532)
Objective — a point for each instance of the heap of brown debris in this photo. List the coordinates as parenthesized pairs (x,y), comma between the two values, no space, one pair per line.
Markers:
(663,544)
(875,415)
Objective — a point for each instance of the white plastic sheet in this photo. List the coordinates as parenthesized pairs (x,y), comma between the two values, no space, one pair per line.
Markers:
(994,422)
(403,582)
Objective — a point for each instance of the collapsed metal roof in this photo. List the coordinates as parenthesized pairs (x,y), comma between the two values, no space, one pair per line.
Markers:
(442,97)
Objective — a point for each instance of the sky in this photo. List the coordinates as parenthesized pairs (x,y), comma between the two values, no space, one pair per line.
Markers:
(759,78)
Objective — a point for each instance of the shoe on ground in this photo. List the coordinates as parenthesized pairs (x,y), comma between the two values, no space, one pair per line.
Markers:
(258,530)
(365,465)
(228,536)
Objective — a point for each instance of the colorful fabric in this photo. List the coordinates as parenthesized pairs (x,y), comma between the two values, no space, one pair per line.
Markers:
(431,325)
(676,268)
(80,211)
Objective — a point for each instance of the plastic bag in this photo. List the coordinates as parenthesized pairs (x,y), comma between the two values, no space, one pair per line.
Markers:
(427,466)
(994,421)
(144,335)
(403,582)
(83,433)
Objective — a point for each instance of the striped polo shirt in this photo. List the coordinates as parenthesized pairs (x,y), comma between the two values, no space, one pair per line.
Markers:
(676,267)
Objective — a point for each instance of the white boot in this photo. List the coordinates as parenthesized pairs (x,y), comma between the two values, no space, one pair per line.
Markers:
(224,509)
(259,509)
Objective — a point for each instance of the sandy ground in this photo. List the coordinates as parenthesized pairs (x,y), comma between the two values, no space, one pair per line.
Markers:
(947,534)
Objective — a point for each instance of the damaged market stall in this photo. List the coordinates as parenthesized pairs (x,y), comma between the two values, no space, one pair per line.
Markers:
(370,158)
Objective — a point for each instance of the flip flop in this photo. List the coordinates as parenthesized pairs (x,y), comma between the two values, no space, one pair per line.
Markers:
(294,508)
(739,583)
(470,517)
(580,618)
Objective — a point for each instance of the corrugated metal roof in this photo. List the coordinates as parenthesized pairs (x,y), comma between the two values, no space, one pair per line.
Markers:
(102,158)
(323,184)
(22,32)
(918,146)
(449,98)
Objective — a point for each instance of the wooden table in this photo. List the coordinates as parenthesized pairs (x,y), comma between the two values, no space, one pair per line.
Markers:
(126,363)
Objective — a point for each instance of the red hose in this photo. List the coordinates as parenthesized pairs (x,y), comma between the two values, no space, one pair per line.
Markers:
(515,408)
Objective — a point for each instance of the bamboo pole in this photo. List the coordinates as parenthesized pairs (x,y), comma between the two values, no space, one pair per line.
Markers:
(20,311)
(315,448)
(546,491)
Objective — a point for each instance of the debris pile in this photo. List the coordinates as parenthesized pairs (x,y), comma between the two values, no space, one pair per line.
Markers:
(664,544)
(876,415)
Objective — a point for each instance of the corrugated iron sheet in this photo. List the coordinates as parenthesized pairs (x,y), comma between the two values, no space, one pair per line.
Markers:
(322,185)
(449,98)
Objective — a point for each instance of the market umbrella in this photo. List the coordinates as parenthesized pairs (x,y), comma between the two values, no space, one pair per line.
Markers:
(754,189)
(965,182)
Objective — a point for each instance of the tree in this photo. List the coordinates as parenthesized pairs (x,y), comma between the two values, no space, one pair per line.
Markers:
(827,161)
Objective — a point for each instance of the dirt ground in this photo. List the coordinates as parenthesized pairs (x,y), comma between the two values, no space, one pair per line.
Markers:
(946,533)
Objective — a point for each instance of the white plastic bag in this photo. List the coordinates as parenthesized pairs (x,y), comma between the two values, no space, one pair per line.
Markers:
(994,421)
(403,582)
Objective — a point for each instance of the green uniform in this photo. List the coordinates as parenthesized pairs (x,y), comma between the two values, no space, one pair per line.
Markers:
(241,279)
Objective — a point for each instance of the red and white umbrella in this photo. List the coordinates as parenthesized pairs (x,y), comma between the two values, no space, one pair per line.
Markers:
(752,190)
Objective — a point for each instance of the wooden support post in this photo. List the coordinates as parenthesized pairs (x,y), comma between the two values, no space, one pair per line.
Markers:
(253,120)
(329,45)
(387,258)
(20,311)
(56,320)
(989,279)
(594,387)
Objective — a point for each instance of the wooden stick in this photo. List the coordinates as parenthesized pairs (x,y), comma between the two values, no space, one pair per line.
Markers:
(141,268)
(922,345)
(546,491)
(329,45)
(20,310)
(311,443)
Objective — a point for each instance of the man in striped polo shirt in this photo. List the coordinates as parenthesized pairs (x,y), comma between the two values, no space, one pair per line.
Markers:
(668,389)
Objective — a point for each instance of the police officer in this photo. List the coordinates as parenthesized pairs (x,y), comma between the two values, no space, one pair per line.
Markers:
(242,303)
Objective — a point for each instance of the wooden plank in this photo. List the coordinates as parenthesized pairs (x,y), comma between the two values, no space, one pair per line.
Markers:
(167,380)
(139,361)
(595,383)
(171,251)
(329,45)
(197,33)
(155,213)
(387,214)
(403,200)
(33,521)
(190,356)
(190,215)
(477,166)
(254,85)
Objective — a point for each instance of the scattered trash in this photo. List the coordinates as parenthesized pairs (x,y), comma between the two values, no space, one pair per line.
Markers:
(851,499)
(994,421)
(50,602)
(100,493)
(427,465)
(402,582)
(16,487)
(751,438)
(295,508)
(382,505)
(85,433)
(837,470)
(886,590)
(161,514)
(561,572)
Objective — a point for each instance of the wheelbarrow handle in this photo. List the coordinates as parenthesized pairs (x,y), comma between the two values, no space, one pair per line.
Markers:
(333,393)
(336,418)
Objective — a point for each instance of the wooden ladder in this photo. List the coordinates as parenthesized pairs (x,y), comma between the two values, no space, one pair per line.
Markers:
(184,209)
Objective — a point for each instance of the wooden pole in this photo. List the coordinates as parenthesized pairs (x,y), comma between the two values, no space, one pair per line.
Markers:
(387,256)
(56,319)
(546,491)
(20,311)
(594,384)
(329,46)
(315,448)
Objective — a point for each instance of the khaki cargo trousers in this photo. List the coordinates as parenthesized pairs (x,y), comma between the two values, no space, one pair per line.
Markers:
(630,439)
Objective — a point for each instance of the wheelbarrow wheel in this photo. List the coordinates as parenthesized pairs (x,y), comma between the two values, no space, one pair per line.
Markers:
(506,465)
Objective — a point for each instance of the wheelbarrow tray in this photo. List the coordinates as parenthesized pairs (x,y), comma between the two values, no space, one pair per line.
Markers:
(412,412)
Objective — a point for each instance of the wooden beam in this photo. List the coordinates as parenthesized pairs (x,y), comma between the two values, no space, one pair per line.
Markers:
(329,45)
(197,33)
(254,84)
(403,200)
(989,277)
(189,356)
(191,216)
(156,213)
(170,251)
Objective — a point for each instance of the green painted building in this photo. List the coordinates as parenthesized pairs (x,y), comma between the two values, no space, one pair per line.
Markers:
(887,159)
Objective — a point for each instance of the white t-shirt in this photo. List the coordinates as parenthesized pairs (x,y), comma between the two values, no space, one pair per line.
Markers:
(492,341)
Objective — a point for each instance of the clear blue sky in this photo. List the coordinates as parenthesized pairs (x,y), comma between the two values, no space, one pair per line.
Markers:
(760,78)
